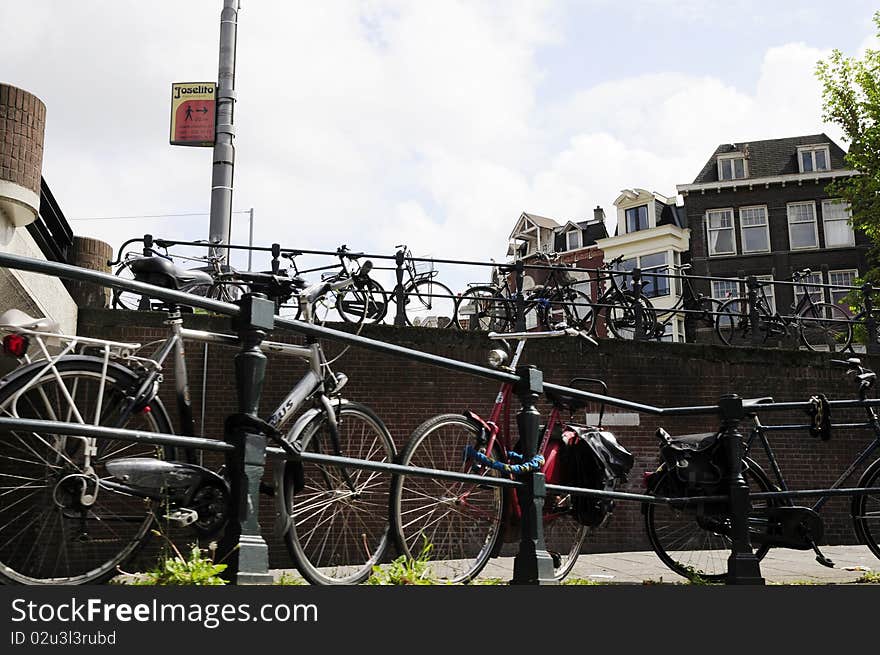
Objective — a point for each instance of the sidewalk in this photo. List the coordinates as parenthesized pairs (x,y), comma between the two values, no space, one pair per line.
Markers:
(779,566)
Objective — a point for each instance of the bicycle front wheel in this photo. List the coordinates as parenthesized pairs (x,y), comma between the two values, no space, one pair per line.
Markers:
(572,307)
(825,327)
(51,531)
(364,302)
(483,308)
(733,323)
(563,534)
(459,520)
(339,529)
(866,510)
(694,541)
(429,304)
(628,315)
(124,299)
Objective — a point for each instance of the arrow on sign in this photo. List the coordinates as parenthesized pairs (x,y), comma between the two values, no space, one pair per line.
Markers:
(204,110)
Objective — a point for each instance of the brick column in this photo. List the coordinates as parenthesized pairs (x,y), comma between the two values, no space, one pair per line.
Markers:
(92,254)
(22,126)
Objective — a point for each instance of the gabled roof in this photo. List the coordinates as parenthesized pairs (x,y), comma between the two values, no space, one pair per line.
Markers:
(771,157)
(541,221)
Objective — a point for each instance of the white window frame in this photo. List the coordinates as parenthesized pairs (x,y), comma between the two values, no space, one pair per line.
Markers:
(769,291)
(855,275)
(818,294)
(852,234)
(647,218)
(710,229)
(665,267)
(812,149)
(721,298)
(730,157)
(578,244)
(812,205)
(743,228)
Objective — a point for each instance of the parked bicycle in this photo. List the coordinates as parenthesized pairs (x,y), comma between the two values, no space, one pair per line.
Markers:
(428,303)
(626,315)
(74,508)
(696,540)
(468,523)
(820,326)
(698,307)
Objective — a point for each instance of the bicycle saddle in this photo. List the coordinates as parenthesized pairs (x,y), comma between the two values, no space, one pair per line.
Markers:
(13,319)
(163,273)
(563,401)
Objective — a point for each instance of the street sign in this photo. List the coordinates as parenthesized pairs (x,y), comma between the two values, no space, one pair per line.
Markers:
(193,112)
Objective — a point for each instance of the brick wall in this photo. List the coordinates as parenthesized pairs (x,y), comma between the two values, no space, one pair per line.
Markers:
(404,394)
(94,255)
(22,122)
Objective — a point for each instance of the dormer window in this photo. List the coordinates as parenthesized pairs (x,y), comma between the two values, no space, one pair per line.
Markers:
(636,219)
(814,158)
(732,167)
(572,239)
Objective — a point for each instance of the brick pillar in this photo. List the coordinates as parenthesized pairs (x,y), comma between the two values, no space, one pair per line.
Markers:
(22,126)
(92,254)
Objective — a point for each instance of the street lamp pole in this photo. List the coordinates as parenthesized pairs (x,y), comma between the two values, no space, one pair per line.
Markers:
(224,150)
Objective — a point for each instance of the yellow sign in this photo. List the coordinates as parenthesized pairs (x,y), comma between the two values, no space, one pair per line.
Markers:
(193,113)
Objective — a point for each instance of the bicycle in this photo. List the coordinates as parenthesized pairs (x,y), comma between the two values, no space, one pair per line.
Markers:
(77,508)
(467,523)
(428,303)
(699,307)
(820,326)
(625,315)
(493,307)
(695,541)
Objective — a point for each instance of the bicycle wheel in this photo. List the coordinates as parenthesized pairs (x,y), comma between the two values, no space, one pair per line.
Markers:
(124,299)
(693,541)
(563,534)
(49,534)
(866,510)
(460,520)
(572,307)
(733,326)
(339,529)
(825,327)
(363,302)
(429,304)
(483,308)
(627,315)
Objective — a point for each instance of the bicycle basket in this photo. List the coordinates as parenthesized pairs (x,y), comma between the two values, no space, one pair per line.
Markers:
(423,268)
(695,460)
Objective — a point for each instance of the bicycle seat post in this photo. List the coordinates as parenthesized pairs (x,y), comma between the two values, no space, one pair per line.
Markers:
(242,544)
(532,564)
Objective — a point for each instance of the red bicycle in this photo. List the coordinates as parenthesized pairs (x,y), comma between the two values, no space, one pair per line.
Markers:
(467,523)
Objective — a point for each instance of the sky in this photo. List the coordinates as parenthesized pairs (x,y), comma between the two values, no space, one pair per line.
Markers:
(428,122)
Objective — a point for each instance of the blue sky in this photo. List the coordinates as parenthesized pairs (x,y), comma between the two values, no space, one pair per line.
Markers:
(377,122)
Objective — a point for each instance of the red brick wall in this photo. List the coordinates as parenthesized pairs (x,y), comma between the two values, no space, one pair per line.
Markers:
(404,394)
(22,123)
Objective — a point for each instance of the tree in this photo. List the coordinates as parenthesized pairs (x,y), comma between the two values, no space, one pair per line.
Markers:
(851,100)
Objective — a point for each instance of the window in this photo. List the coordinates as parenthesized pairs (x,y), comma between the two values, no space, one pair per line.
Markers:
(755,233)
(732,167)
(844,279)
(814,158)
(572,240)
(802,225)
(654,286)
(719,224)
(724,289)
(769,291)
(816,293)
(636,219)
(625,265)
(835,223)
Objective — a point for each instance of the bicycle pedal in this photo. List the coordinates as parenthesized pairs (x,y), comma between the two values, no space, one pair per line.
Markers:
(182,517)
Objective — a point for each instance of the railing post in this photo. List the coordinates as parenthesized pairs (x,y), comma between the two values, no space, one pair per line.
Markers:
(870,322)
(519,304)
(639,333)
(399,295)
(754,318)
(532,564)
(144,302)
(246,551)
(276,253)
(743,566)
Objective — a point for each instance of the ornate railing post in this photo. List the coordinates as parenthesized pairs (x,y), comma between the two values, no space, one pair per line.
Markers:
(639,332)
(742,565)
(243,545)
(532,564)
(752,287)
(144,302)
(519,303)
(399,295)
(276,253)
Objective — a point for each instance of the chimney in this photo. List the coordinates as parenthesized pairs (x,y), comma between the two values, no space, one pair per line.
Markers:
(599,214)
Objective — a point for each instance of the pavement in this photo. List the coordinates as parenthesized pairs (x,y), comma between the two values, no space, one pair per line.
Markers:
(781,566)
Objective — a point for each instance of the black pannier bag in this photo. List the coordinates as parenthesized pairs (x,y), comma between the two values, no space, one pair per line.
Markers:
(592,458)
(696,461)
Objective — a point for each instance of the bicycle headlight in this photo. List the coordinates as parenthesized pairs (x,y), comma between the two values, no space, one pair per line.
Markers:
(497,357)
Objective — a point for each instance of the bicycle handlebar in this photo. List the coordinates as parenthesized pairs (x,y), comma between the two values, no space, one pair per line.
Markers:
(560,331)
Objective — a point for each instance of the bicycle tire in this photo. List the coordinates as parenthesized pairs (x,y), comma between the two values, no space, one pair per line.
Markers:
(564,536)
(487,310)
(732,324)
(701,553)
(91,543)
(462,545)
(627,313)
(427,300)
(866,510)
(355,305)
(824,326)
(324,539)
(122,298)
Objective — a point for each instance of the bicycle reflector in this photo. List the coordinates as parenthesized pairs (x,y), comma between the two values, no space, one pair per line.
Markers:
(15,345)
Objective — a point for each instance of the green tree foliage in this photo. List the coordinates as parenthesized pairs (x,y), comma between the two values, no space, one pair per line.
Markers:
(851,100)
